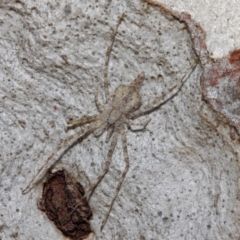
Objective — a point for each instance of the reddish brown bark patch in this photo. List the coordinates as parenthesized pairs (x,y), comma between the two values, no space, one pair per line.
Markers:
(235,57)
(64,203)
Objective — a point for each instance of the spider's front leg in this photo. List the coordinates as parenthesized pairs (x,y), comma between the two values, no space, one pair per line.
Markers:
(158,101)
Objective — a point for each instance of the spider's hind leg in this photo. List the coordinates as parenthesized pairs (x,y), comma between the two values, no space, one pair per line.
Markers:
(126,158)
(107,164)
(51,160)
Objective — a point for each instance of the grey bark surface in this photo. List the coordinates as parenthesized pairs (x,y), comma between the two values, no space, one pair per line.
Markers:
(184,173)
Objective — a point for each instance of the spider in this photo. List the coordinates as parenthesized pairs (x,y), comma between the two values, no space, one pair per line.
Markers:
(113,117)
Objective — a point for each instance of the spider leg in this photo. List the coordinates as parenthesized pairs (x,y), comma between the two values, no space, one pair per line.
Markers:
(126,158)
(109,133)
(107,164)
(140,126)
(99,131)
(51,160)
(164,98)
(83,120)
(100,106)
(106,83)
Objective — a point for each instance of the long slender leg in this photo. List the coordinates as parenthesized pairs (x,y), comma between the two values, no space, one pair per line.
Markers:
(98,132)
(139,126)
(83,120)
(126,158)
(100,106)
(109,133)
(107,164)
(51,160)
(106,83)
(163,99)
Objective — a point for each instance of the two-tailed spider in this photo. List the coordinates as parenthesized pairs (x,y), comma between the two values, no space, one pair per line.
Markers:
(113,117)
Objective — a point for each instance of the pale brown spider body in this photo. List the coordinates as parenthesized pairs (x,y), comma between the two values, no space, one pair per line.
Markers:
(118,112)
(125,100)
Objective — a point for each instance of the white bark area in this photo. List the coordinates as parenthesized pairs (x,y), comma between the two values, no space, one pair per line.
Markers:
(184,171)
(220,20)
